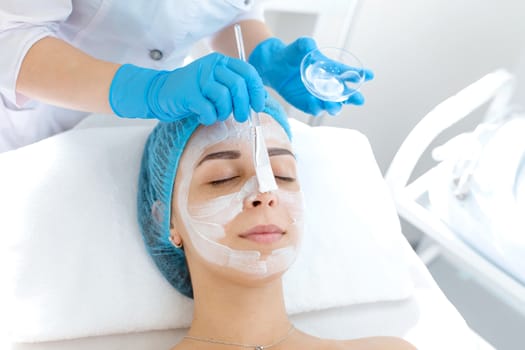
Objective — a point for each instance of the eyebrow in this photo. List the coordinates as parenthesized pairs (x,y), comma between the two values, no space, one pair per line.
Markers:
(221,155)
(231,154)
(276,151)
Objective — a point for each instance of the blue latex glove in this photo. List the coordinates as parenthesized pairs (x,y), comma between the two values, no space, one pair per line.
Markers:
(280,68)
(212,87)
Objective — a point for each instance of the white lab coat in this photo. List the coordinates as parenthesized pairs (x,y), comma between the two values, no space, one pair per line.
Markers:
(154,33)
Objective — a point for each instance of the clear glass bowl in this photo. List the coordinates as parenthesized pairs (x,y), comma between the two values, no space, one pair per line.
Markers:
(332,74)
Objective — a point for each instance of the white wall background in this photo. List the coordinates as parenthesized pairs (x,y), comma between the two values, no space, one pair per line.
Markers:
(422,52)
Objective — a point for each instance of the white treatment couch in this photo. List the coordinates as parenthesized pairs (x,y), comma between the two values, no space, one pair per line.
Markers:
(76,275)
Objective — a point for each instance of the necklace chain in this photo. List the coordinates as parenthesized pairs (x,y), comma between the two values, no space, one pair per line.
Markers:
(255,347)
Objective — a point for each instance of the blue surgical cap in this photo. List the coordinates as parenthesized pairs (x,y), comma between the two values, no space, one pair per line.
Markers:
(160,162)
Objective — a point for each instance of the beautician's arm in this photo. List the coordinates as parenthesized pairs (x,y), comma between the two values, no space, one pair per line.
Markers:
(253,32)
(59,74)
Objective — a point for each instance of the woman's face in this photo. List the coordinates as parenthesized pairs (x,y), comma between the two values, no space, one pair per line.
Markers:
(218,210)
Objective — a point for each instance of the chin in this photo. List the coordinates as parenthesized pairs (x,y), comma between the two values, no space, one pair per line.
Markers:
(255,281)
(254,276)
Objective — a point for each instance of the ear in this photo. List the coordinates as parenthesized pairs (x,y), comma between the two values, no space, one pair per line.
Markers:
(175,237)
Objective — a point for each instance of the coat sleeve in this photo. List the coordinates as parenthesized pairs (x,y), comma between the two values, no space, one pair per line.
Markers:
(256,12)
(22,23)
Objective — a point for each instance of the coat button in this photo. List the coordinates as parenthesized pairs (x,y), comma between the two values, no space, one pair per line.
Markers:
(247,2)
(155,55)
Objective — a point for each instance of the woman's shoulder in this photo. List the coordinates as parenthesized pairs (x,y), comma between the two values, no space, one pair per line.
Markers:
(307,341)
(370,343)
(377,343)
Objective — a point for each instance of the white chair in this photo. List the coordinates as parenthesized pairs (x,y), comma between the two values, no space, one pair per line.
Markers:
(411,199)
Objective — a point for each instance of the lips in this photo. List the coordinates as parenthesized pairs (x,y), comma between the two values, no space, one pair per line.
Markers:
(264,234)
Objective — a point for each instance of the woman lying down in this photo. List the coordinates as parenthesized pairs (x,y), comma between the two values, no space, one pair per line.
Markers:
(220,241)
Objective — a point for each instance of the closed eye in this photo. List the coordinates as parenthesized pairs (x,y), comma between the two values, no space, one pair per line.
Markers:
(226,180)
(285,178)
(223,181)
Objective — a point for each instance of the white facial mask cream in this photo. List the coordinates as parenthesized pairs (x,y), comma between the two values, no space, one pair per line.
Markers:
(206,222)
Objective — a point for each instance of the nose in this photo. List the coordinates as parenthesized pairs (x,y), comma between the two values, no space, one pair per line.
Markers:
(268,199)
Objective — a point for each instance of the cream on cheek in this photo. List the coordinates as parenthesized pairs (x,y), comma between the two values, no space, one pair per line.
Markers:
(211,216)
(205,221)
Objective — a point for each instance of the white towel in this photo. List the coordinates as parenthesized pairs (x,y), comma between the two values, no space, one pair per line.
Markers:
(74,265)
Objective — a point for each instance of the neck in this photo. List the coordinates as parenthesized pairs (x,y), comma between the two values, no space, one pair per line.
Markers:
(238,313)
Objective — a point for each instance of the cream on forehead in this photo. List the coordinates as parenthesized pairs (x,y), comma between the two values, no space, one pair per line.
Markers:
(230,130)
